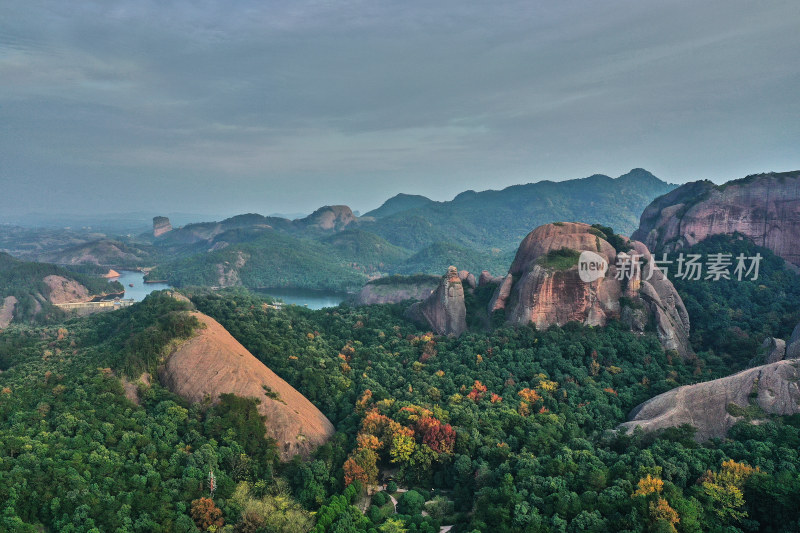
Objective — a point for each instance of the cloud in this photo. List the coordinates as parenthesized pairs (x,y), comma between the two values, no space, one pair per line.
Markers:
(294,103)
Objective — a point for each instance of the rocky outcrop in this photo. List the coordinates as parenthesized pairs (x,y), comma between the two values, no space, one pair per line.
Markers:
(793,346)
(161,225)
(396,289)
(774,350)
(7,311)
(764,207)
(444,310)
(544,285)
(63,290)
(467,278)
(715,406)
(501,294)
(213,363)
(329,217)
(486,278)
(228,272)
(111,274)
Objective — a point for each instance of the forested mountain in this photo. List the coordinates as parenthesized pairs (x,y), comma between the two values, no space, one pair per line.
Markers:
(408,234)
(500,219)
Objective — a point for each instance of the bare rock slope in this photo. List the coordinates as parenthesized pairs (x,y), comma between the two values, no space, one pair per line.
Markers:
(715,406)
(7,311)
(214,363)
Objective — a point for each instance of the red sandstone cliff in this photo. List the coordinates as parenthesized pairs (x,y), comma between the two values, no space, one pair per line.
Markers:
(213,363)
(544,286)
(763,207)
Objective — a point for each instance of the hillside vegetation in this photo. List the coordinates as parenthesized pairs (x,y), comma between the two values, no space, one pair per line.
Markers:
(24,281)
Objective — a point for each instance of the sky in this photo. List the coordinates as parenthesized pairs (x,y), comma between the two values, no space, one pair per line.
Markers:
(209,106)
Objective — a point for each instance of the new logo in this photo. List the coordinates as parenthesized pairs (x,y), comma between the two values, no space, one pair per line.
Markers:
(591,266)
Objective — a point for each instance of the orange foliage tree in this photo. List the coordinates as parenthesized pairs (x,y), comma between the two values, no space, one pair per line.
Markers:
(205,514)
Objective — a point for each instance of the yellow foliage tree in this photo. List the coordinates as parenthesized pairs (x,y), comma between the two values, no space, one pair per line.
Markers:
(725,489)
(660,511)
(648,485)
(402,448)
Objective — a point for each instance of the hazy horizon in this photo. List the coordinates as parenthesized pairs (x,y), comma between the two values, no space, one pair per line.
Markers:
(286,106)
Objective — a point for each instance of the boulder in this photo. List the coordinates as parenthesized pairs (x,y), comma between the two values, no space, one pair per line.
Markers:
(501,294)
(774,350)
(467,278)
(715,406)
(486,278)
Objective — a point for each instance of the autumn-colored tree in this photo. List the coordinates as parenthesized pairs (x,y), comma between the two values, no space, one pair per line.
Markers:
(725,489)
(545,384)
(439,437)
(205,514)
(361,466)
(496,398)
(365,399)
(662,513)
(477,392)
(529,395)
(648,485)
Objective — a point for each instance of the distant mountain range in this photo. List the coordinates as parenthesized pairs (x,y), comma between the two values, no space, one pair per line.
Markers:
(333,248)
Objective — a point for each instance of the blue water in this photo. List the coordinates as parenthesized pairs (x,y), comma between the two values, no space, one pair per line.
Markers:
(140,289)
(306,297)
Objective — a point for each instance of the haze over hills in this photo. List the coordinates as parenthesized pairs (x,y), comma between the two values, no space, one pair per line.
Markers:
(408,234)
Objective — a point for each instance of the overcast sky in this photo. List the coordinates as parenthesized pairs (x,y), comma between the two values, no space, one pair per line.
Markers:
(236,106)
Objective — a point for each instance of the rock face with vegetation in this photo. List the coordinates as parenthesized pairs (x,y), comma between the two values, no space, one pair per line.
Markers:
(444,310)
(715,406)
(544,285)
(161,225)
(394,289)
(212,363)
(330,217)
(764,208)
(64,290)
(29,290)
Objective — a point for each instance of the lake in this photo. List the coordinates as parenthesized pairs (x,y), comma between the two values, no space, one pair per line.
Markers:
(306,297)
(140,289)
